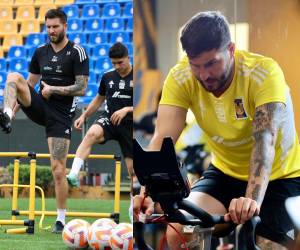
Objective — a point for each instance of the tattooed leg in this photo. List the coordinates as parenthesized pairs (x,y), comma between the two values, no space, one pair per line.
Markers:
(10,95)
(58,148)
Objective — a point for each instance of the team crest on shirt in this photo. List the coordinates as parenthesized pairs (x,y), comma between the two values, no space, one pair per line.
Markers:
(111,83)
(122,84)
(240,112)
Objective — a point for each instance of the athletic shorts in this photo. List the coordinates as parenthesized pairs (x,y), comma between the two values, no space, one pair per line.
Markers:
(275,223)
(56,125)
(121,133)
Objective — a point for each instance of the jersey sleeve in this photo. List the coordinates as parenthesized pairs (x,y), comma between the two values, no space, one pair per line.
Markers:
(176,89)
(34,66)
(270,84)
(102,87)
(81,61)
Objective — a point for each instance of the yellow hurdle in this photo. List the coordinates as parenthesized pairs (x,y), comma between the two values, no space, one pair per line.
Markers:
(31,212)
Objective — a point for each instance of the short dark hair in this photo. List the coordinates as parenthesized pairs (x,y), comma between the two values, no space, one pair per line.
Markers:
(118,50)
(205,31)
(56,13)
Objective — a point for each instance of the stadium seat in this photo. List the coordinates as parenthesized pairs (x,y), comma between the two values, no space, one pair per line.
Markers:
(24,74)
(18,64)
(30,51)
(93,25)
(42,11)
(123,37)
(100,50)
(3,65)
(92,78)
(6,12)
(87,48)
(8,27)
(3,76)
(75,25)
(129,46)
(111,10)
(29,26)
(97,38)
(129,24)
(35,39)
(105,1)
(92,63)
(91,92)
(16,52)
(82,2)
(11,40)
(114,24)
(72,11)
(25,13)
(128,10)
(79,38)
(38,3)
(63,2)
(23,2)
(6,2)
(103,64)
(90,11)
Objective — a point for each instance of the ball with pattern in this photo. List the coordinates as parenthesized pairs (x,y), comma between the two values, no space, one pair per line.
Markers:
(122,237)
(99,234)
(75,234)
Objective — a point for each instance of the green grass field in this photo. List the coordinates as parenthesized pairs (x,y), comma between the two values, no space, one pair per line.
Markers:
(44,239)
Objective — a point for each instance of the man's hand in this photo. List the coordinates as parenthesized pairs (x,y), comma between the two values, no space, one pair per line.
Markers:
(242,209)
(78,122)
(46,90)
(118,115)
(148,206)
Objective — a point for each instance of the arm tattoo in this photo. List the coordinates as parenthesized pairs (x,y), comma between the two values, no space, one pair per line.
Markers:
(266,124)
(77,89)
(59,148)
(10,94)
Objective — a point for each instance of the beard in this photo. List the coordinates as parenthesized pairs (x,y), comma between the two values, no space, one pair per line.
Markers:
(57,39)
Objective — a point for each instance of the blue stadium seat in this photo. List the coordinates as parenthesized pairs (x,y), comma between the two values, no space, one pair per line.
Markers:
(93,25)
(91,92)
(130,48)
(35,39)
(103,64)
(92,78)
(30,51)
(81,2)
(111,10)
(105,1)
(18,64)
(129,24)
(24,74)
(3,65)
(72,11)
(87,48)
(100,50)
(114,24)
(97,38)
(75,25)
(79,38)
(2,86)
(90,11)
(128,10)
(3,76)
(16,52)
(92,63)
(123,37)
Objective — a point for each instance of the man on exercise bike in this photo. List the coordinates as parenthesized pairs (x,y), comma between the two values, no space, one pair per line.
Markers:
(242,102)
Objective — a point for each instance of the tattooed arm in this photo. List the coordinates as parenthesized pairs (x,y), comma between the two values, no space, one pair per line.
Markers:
(77,89)
(266,124)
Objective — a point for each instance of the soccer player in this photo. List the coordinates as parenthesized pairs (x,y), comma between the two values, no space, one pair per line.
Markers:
(62,68)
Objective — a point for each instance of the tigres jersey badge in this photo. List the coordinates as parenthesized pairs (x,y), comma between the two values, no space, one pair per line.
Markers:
(240,112)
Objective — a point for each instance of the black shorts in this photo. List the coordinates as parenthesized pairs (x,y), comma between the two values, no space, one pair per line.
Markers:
(275,223)
(121,133)
(40,112)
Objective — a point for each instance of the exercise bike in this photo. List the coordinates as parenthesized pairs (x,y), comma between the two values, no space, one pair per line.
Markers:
(166,182)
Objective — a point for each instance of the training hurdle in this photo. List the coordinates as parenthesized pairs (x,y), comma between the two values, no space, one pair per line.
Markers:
(31,211)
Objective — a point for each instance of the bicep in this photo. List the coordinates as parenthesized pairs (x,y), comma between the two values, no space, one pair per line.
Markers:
(33,79)
(170,123)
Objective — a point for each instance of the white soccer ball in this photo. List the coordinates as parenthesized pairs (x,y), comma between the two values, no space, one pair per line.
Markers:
(122,237)
(99,234)
(75,233)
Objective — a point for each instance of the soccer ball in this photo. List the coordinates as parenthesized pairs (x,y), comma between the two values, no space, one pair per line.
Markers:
(99,234)
(75,233)
(122,237)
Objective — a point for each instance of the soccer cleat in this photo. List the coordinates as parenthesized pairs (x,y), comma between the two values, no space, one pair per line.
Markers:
(5,122)
(73,180)
(58,227)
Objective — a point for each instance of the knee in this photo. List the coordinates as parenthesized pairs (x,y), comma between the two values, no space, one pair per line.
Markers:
(92,137)
(58,172)
(15,77)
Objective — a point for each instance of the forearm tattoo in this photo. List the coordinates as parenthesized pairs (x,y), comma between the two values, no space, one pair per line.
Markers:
(266,124)
(78,89)
(10,94)
(60,148)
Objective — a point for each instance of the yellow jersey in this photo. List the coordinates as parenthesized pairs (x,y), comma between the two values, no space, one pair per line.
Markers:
(227,120)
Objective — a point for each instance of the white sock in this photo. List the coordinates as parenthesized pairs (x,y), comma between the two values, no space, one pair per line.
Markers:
(61,215)
(8,111)
(130,210)
(76,166)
